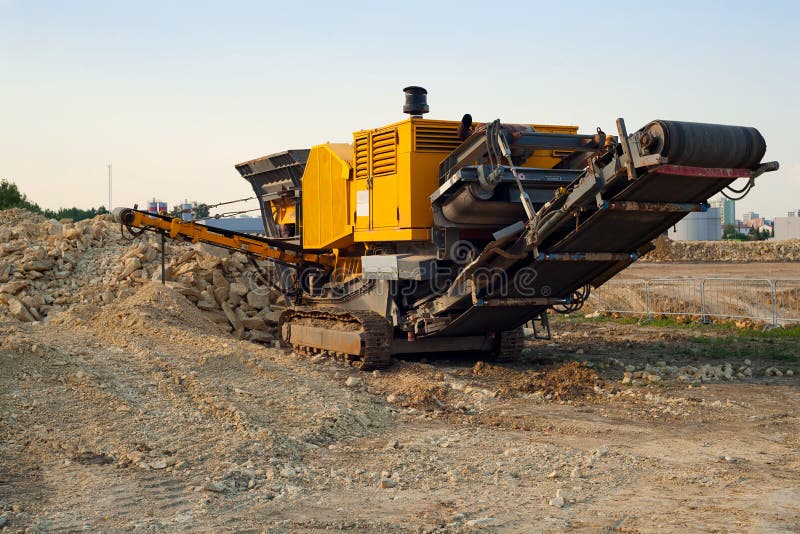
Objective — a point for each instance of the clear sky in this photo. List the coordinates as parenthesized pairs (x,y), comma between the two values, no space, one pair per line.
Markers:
(173,93)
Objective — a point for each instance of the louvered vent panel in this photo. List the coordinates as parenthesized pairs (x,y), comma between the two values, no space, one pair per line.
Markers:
(436,137)
(362,156)
(384,152)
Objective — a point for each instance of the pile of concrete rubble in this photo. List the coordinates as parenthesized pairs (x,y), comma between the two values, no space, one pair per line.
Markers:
(729,251)
(47,266)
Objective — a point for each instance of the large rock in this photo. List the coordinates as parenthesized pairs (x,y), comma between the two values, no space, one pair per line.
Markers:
(15,246)
(254,323)
(221,287)
(14,287)
(258,299)
(270,316)
(33,301)
(39,265)
(70,232)
(5,271)
(236,323)
(131,266)
(18,310)
(208,305)
(238,288)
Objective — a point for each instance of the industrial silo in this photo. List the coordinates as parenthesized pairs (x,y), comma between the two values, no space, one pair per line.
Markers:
(699,226)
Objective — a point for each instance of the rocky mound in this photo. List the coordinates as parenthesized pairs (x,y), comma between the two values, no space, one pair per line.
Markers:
(724,251)
(48,267)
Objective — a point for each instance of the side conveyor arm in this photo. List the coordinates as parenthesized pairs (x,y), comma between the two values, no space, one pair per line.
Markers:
(250,245)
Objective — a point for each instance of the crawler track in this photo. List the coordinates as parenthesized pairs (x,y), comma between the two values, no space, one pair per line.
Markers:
(510,347)
(375,331)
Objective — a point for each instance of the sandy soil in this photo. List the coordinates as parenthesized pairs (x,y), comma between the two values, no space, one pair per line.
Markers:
(707,270)
(144,415)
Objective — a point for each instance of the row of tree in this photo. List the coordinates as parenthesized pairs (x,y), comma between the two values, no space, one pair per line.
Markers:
(11,197)
(729,232)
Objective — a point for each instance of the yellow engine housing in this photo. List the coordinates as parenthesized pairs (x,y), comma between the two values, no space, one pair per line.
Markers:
(378,188)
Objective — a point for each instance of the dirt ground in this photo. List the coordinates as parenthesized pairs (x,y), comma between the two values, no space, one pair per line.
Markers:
(143,415)
(708,270)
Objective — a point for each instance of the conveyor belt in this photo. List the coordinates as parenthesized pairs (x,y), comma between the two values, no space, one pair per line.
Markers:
(633,213)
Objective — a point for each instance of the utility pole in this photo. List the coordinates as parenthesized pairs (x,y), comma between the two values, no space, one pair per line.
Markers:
(109,188)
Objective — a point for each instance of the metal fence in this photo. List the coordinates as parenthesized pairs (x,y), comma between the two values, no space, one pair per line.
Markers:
(769,301)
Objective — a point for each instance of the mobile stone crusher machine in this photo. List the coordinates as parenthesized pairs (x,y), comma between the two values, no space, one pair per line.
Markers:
(439,236)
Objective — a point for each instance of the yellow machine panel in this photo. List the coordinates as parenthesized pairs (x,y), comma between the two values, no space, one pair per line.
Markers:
(396,170)
(326,197)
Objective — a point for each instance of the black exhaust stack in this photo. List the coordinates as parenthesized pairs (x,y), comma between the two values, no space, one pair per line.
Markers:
(416,101)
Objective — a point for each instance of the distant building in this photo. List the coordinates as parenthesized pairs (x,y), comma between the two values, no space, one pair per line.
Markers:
(247,225)
(699,226)
(728,209)
(750,217)
(787,227)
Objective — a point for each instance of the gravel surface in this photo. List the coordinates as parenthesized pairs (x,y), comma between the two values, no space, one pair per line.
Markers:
(126,405)
(143,414)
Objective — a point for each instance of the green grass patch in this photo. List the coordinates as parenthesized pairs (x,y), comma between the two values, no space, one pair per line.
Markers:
(711,340)
(790,332)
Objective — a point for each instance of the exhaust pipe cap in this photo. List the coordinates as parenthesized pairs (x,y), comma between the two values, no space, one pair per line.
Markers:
(416,101)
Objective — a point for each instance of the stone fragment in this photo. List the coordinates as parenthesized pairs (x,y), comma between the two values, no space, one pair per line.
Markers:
(353,381)
(237,288)
(38,265)
(236,323)
(254,323)
(387,483)
(258,299)
(18,310)
(728,371)
(481,522)
(215,486)
(70,232)
(270,316)
(221,286)
(260,336)
(131,265)
(207,305)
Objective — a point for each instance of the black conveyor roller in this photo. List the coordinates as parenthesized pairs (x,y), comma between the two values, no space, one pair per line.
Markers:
(705,145)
